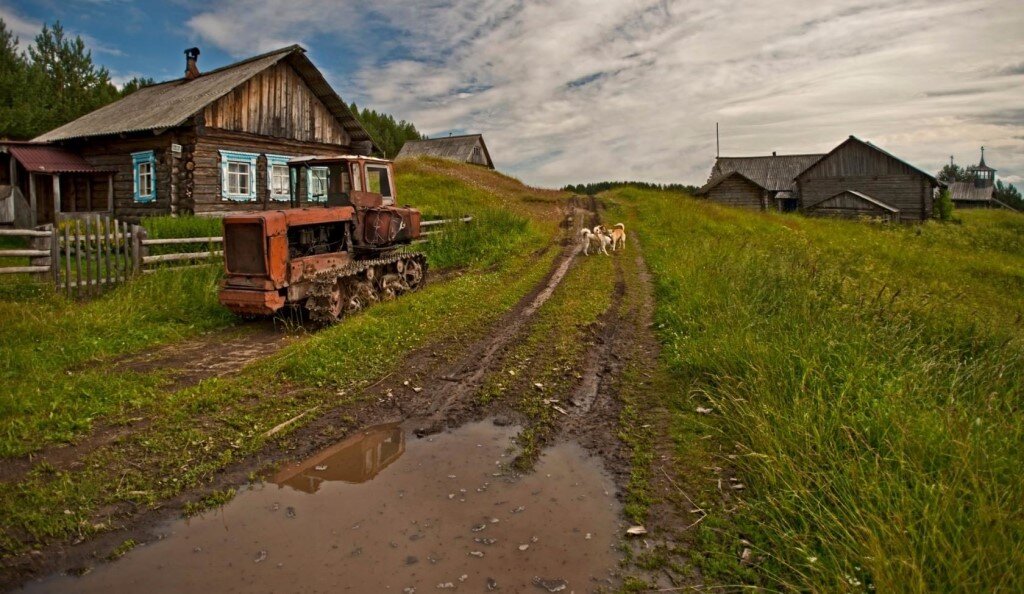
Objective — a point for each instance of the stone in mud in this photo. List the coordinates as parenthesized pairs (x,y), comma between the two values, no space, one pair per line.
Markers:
(290,512)
(551,585)
(492,584)
(260,556)
(479,528)
(411,560)
(476,554)
(502,421)
(523,547)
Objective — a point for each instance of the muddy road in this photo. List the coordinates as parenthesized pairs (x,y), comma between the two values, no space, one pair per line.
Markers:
(431,492)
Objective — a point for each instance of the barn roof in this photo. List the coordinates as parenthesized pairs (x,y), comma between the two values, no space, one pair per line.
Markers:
(774,173)
(966,191)
(459,148)
(853,138)
(41,158)
(172,103)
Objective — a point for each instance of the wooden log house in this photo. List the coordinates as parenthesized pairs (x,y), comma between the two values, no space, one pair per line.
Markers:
(759,183)
(211,142)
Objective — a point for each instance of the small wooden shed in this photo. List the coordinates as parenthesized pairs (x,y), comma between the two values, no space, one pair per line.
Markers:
(469,148)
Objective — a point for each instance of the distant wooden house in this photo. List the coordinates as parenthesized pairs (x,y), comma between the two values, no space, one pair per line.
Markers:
(762,183)
(469,148)
(978,192)
(205,143)
(858,179)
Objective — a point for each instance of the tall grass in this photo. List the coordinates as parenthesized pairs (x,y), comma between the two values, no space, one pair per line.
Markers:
(867,383)
(49,345)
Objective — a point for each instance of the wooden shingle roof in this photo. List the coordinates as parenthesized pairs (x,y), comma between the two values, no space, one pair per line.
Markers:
(172,103)
(458,148)
(774,173)
(965,191)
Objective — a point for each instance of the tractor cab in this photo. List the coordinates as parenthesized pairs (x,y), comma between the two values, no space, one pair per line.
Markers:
(342,180)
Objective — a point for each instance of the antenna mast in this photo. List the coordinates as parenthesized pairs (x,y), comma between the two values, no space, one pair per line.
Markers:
(718,146)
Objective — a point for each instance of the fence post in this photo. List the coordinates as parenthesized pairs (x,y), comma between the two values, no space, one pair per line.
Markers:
(41,243)
(138,250)
(55,262)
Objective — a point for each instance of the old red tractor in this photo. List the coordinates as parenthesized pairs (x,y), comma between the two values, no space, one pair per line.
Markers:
(344,253)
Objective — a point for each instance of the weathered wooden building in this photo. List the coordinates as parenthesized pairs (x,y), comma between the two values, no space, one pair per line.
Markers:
(469,148)
(762,183)
(858,179)
(208,142)
(978,192)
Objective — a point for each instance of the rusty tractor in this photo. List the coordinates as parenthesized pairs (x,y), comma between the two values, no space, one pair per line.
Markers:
(342,255)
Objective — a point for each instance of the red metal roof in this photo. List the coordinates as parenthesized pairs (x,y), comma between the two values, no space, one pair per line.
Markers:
(50,159)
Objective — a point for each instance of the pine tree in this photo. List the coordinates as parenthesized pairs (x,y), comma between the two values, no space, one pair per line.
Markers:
(18,111)
(70,84)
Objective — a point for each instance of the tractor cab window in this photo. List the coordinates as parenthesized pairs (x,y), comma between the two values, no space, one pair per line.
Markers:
(378,182)
(316,189)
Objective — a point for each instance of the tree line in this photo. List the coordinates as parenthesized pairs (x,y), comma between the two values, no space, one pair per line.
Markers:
(389,134)
(598,187)
(1006,193)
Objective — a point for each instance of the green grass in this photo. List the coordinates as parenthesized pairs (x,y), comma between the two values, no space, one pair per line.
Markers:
(866,385)
(50,346)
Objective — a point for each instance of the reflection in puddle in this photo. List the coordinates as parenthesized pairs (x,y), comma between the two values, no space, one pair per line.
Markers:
(354,460)
(439,512)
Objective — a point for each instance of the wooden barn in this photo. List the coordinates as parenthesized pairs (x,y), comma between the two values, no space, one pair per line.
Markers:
(978,192)
(469,148)
(205,143)
(760,183)
(858,179)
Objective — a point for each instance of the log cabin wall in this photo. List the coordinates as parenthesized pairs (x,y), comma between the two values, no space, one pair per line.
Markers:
(855,166)
(736,191)
(116,154)
(276,103)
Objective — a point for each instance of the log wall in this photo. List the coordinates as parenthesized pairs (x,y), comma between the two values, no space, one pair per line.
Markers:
(737,191)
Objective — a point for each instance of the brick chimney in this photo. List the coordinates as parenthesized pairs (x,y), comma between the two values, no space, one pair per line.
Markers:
(191,70)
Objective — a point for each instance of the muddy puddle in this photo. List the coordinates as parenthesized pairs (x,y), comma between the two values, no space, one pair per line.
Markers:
(384,511)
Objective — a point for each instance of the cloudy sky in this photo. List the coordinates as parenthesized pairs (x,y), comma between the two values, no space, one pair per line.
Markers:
(586,90)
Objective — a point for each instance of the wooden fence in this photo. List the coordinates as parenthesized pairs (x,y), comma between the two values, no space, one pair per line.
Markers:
(84,256)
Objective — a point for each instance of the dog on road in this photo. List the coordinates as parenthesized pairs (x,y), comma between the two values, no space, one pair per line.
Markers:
(618,237)
(596,236)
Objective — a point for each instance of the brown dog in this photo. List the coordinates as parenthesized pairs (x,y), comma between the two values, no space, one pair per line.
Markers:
(618,236)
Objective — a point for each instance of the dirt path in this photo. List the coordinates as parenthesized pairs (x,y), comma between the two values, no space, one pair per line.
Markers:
(436,390)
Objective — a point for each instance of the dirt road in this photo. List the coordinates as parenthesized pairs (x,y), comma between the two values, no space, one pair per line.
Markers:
(436,397)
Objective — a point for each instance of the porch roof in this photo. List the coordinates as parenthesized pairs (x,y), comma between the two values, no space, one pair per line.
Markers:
(51,159)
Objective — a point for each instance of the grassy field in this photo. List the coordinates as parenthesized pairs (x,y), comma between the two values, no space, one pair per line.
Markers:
(865,384)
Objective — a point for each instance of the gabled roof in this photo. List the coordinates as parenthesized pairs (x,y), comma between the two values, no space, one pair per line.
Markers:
(172,103)
(459,148)
(859,196)
(853,138)
(715,181)
(774,173)
(966,191)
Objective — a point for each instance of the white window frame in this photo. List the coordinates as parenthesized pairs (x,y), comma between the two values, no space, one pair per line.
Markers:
(142,159)
(279,161)
(309,183)
(228,158)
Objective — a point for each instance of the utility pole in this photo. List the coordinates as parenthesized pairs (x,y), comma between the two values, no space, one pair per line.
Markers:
(718,146)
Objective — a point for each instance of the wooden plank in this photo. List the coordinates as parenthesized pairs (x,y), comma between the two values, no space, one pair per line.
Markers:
(28,253)
(78,261)
(22,269)
(99,248)
(126,251)
(107,255)
(32,199)
(178,240)
(88,252)
(55,254)
(180,257)
(56,197)
(204,264)
(67,259)
(23,233)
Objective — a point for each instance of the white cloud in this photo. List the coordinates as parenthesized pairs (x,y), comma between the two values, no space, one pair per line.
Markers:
(576,90)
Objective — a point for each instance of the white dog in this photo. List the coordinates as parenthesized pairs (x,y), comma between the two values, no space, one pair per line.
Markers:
(596,236)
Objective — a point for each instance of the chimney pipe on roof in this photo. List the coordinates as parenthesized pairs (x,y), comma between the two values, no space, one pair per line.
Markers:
(191,70)
(773,154)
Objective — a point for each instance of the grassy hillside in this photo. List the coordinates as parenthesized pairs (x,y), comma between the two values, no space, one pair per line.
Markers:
(865,383)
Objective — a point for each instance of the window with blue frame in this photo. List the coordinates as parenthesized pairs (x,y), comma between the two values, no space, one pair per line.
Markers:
(144,176)
(238,176)
(316,184)
(278,178)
